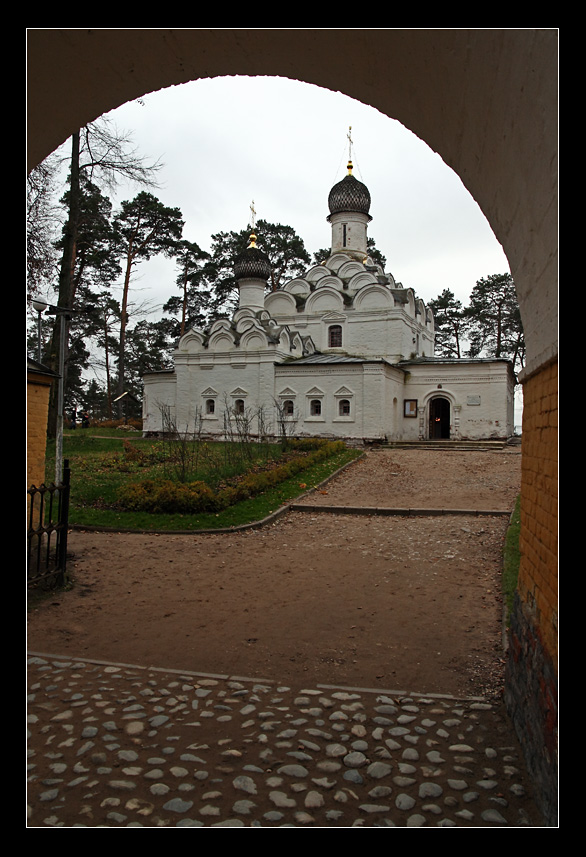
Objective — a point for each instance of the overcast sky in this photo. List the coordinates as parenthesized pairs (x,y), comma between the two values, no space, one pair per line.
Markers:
(228,141)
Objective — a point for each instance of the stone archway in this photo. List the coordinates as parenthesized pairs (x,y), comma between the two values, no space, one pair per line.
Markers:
(455,89)
(439,412)
(486,101)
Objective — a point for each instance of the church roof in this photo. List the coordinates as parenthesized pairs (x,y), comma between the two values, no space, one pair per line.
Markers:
(331,358)
(252,263)
(456,361)
(39,368)
(349,195)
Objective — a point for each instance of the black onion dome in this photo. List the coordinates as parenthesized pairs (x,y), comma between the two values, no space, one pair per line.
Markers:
(252,263)
(349,195)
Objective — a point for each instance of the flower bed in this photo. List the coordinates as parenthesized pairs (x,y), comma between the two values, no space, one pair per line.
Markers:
(194,497)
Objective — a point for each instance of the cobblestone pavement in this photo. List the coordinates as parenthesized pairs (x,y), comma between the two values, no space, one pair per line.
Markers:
(123,746)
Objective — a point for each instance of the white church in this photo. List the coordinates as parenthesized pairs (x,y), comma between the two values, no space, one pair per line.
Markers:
(342,352)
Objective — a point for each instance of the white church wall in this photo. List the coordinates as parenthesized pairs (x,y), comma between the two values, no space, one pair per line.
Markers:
(344,400)
(187,404)
(367,332)
(349,232)
(212,387)
(363,400)
(159,392)
(390,335)
(375,401)
(480,396)
(327,400)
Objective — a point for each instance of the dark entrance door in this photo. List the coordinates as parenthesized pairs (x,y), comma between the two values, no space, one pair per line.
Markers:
(439,419)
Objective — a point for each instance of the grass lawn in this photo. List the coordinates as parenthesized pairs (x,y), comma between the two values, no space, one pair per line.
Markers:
(104,460)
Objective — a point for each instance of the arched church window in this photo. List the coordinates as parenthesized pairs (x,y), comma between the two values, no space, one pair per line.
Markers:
(335,336)
(344,408)
(288,407)
(210,406)
(315,408)
(239,406)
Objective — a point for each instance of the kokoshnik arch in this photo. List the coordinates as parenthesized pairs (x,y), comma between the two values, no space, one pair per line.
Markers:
(486,102)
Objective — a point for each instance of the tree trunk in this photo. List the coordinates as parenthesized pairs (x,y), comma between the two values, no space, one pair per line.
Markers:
(184,308)
(107,359)
(123,324)
(65,296)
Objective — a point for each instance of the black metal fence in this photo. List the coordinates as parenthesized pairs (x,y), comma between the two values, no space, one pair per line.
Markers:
(48,520)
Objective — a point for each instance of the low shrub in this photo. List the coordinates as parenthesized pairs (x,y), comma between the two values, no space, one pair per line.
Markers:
(133,452)
(196,497)
(168,497)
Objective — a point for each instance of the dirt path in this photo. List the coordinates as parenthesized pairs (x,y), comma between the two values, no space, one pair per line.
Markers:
(406,603)
(428,479)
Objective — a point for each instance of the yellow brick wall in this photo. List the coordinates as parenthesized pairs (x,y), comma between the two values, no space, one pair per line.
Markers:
(38,389)
(538,575)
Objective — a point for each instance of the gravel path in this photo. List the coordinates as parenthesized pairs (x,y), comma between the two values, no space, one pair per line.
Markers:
(428,479)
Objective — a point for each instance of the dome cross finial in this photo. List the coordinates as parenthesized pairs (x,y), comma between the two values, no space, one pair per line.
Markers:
(349,135)
(252,225)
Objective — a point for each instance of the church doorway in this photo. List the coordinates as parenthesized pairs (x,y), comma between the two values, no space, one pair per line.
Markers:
(439,419)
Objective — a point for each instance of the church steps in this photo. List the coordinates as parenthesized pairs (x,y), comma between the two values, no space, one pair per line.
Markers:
(445,444)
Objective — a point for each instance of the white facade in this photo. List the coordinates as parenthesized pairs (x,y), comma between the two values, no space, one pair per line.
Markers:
(342,352)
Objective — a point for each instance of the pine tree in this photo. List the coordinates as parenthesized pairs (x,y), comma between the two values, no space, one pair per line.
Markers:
(101,155)
(143,228)
(193,305)
(494,320)
(450,325)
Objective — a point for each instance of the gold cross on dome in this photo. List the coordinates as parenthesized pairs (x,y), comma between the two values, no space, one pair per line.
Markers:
(349,135)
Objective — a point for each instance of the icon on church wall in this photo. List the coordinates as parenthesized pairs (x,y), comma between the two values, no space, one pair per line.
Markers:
(410,408)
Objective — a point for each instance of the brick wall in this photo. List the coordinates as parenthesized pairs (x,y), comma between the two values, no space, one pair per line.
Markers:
(38,388)
(531,684)
(538,573)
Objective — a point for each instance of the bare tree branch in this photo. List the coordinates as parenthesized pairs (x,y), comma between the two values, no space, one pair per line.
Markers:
(108,156)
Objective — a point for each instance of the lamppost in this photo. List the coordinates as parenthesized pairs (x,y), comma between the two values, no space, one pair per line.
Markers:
(64,313)
(40,305)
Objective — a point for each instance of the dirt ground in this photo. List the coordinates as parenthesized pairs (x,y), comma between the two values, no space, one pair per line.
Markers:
(407,603)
